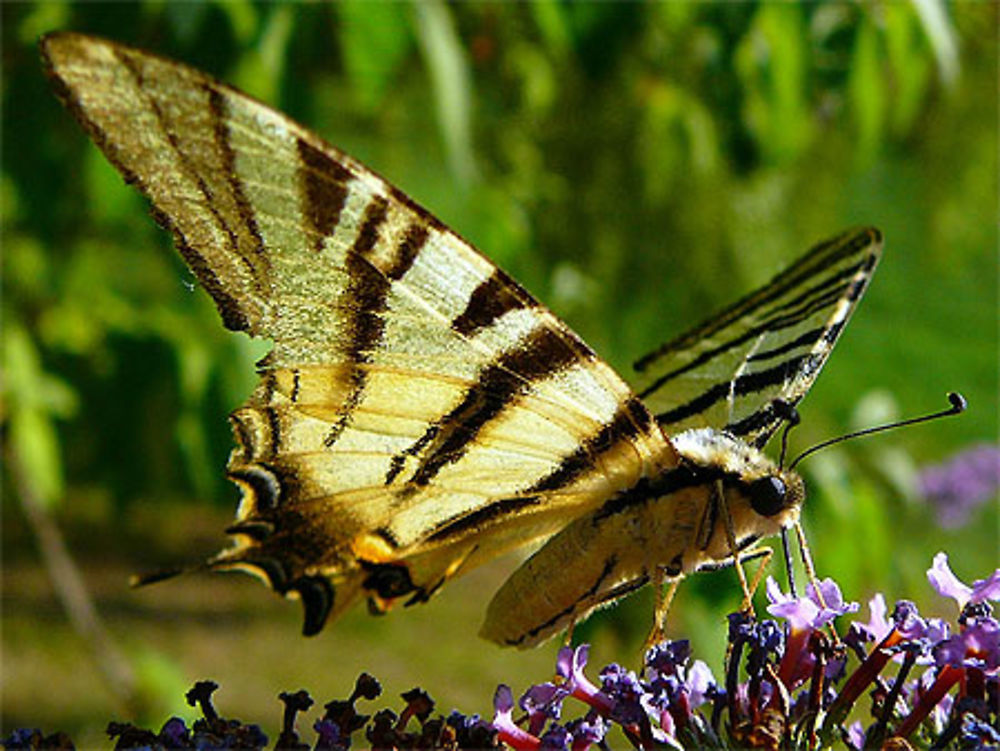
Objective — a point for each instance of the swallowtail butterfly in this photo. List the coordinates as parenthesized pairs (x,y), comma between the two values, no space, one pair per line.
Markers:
(420,413)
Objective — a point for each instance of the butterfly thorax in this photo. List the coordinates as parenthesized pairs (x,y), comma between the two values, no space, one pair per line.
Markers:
(729,476)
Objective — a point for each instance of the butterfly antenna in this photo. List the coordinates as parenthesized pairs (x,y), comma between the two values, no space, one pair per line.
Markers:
(958,405)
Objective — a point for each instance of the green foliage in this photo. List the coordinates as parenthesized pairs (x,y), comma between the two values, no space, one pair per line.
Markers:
(635,165)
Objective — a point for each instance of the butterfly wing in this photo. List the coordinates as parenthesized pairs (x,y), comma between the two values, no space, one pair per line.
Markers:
(771,345)
(419,412)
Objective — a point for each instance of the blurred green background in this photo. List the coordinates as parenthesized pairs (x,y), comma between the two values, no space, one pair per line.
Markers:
(636,166)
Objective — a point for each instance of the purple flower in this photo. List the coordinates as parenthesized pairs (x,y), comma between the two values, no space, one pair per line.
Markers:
(804,615)
(906,621)
(174,733)
(23,738)
(667,658)
(543,702)
(700,683)
(877,627)
(741,627)
(856,735)
(949,585)
(674,690)
(329,737)
(503,720)
(624,689)
(800,612)
(978,734)
(911,633)
(814,611)
(587,730)
(976,646)
(959,486)
(669,677)
(556,738)
(570,664)
(471,731)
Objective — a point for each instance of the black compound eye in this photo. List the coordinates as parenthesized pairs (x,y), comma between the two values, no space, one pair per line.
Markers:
(767,495)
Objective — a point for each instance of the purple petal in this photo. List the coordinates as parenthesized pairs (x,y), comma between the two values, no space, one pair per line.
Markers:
(946,583)
(833,599)
(856,735)
(878,626)
(982,640)
(958,487)
(700,681)
(503,699)
(986,589)
(977,646)
(543,702)
(556,738)
(800,613)
(564,661)
(503,721)
(774,593)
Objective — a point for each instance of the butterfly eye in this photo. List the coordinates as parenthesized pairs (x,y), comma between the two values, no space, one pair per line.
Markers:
(767,495)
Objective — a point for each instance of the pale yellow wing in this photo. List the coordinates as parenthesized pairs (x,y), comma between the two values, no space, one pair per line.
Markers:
(419,411)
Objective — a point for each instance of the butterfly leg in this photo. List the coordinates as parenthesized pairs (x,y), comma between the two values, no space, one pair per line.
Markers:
(766,554)
(727,519)
(807,561)
(663,601)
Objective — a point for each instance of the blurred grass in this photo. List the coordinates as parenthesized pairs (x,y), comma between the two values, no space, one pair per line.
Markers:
(635,166)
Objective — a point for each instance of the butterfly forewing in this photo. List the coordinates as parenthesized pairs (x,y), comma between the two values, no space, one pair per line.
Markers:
(769,346)
(419,411)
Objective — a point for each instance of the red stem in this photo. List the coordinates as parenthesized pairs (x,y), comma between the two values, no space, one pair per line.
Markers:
(947,678)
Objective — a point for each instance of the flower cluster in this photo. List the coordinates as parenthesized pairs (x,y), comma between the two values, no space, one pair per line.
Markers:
(788,686)
(961,485)
(654,710)
(334,731)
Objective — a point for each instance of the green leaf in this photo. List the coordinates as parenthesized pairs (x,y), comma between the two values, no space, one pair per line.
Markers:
(938,27)
(261,67)
(43,18)
(550,18)
(772,63)
(33,400)
(375,39)
(108,199)
(243,18)
(906,48)
(867,92)
(446,64)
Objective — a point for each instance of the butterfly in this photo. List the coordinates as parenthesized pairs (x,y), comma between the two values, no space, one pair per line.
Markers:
(419,412)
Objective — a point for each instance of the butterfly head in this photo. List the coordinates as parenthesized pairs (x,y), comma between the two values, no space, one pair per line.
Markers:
(761,497)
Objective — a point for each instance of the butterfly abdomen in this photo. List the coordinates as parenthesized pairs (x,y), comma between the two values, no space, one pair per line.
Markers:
(670,523)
